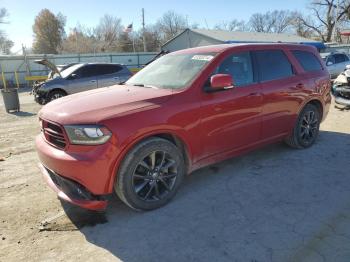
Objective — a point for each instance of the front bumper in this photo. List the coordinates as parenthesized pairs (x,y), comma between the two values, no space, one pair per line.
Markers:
(72,192)
(40,97)
(92,167)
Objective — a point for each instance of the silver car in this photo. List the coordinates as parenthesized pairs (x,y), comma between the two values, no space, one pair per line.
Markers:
(77,78)
(335,62)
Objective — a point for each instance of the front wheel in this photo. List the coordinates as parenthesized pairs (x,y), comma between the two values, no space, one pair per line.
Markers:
(306,128)
(150,174)
(56,94)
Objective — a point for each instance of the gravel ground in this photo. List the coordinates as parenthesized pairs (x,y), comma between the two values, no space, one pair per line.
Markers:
(274,204)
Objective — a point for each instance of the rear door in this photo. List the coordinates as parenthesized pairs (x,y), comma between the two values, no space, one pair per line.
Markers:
(279,87)
(83,79)
(110,74)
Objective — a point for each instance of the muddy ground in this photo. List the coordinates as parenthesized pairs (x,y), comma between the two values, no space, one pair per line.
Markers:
(274,204)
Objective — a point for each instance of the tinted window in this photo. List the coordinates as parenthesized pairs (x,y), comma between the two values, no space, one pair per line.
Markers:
(108,69)
(340,58)
(273,64)
(331,59)
(239,66)
(307,60)
(87,71)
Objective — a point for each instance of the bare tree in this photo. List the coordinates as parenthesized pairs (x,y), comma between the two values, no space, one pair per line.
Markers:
(233,25)
(299,27)
(80,40)
(48,32)
(5,43)
(108,32)
(326,15)
(171,23)
(277,21)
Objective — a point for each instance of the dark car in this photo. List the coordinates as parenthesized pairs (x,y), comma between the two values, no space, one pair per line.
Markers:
(79,77)
(185,110)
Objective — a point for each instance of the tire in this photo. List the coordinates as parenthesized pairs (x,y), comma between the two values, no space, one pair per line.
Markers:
(150,174)
(306,128)
(55,94)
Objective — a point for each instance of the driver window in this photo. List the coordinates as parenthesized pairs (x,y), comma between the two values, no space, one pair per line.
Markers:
(239,66)
(331,59)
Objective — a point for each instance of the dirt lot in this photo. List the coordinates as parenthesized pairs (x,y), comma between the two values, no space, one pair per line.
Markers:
(275,204)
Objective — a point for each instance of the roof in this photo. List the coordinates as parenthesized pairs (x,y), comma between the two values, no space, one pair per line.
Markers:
(236,36)
(223,47)
(251,37)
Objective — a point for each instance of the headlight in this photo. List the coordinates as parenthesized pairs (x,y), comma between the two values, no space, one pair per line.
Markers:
(87,134)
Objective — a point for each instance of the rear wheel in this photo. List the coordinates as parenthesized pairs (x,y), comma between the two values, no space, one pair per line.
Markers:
(306,128)
(150,174)
(56,94)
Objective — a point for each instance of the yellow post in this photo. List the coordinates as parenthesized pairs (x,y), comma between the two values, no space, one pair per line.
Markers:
(3,79)
(16,77)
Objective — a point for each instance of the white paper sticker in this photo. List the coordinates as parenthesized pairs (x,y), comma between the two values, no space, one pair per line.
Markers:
(203,57)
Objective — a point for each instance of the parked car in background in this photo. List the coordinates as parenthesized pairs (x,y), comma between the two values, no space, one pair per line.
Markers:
(79,77)
(185,110)
(54,69)
(335,62)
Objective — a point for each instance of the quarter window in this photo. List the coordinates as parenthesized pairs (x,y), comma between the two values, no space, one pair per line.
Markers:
(307,60)
(273,64)
(239,66)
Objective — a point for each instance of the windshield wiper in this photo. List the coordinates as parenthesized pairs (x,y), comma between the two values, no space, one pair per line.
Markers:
(147,86)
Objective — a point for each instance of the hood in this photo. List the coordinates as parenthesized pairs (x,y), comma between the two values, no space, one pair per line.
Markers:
(50,65)
(104,103)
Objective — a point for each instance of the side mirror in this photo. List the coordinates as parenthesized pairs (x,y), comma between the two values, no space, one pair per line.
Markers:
(329,63)
(221,82)
(73,76)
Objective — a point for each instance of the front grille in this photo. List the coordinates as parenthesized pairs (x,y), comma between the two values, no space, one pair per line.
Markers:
(54,134)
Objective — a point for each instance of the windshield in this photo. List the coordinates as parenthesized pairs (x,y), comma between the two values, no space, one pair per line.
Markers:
(171,71)
(69,70)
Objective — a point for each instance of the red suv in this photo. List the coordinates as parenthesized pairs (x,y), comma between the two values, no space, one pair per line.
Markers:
(186,110)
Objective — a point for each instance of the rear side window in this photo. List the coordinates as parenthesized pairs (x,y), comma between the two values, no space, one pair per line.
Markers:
(87,71)
(273,64)
(307,60)
(340,58)
(108,69)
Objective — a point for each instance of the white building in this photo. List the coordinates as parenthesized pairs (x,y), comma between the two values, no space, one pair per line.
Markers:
(202,37)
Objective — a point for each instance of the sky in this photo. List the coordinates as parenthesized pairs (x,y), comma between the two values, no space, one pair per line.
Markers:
(88,13)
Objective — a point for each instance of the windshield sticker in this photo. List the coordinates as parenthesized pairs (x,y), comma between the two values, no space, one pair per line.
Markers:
(202,57)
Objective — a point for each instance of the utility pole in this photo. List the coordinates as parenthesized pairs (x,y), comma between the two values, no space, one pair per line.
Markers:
(143,31)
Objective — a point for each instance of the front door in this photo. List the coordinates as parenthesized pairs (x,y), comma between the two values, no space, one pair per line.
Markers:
(83,79)
(230,119)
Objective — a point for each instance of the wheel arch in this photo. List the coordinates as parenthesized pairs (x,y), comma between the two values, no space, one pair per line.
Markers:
(318,104)
(57,89)
(170,136)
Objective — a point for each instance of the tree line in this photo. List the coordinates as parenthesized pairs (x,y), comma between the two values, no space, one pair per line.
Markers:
(324,21)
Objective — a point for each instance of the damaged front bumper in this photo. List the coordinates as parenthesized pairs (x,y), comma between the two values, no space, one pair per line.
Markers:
(73,192)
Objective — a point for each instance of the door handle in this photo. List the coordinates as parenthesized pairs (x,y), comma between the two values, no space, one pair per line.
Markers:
(300,86)
(92,81)
(254,94)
